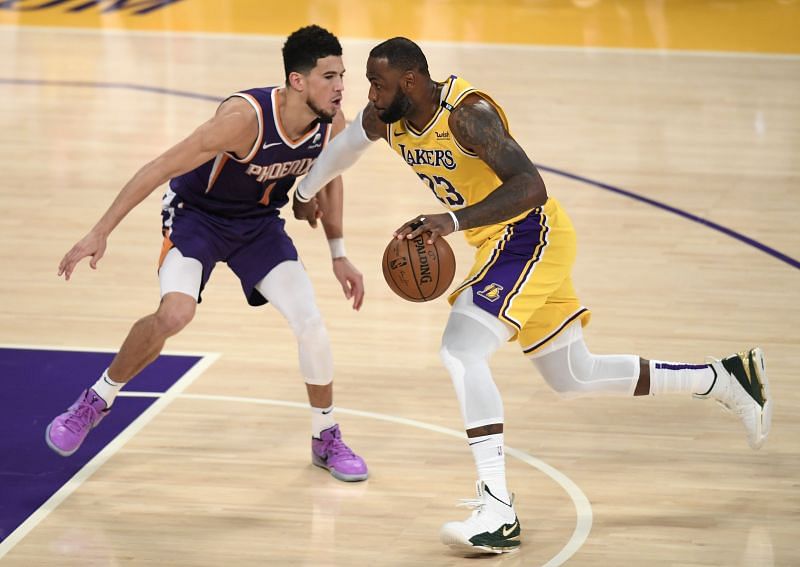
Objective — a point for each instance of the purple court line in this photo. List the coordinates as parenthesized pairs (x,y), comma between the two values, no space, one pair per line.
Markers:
(101,85)
(658,204)
(687,215)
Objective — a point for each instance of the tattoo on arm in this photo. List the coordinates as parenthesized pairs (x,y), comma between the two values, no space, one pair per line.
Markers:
(478,127)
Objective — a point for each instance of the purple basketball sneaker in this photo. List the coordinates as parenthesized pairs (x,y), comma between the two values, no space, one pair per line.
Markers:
(331,453)
(66,432)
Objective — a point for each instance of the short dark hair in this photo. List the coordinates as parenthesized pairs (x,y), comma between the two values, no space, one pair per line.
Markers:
(305,46)
(401,53)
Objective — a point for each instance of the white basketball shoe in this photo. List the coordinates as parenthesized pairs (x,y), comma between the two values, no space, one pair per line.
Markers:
(493,526)
(741,386)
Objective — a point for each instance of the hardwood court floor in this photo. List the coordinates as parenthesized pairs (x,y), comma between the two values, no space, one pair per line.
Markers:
(214,480)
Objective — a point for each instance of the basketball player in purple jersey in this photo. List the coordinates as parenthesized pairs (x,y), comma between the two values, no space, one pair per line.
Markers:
(227,183)
(456,138)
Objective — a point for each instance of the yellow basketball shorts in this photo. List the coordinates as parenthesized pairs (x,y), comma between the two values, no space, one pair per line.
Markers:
(521,275)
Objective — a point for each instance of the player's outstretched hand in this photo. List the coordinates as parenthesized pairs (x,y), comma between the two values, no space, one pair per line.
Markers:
(92,244)
(438,225)
(351,280)
(306,211)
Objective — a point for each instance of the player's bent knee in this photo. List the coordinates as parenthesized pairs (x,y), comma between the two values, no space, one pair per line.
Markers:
(458,357)
(310,329)
(564,386)
(574,372)
(448,359)
(567,376)
(176,311)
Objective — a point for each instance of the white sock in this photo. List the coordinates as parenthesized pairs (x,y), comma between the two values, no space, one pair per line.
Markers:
(107,389)
(321,419)
(487,450)
(679,377)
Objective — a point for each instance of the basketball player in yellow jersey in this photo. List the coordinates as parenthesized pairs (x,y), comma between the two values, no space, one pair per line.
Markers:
(456,138)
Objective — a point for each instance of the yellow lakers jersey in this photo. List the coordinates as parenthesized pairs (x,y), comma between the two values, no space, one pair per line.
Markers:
(456,176)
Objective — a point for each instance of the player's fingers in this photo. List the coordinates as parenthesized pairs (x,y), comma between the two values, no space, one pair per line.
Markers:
(409,227)
(308,212)
(314,214)
(346,288)
(402,231)
(358,293)
(68,263)
(418,226)
(68,267)
(434,232)
(95,258)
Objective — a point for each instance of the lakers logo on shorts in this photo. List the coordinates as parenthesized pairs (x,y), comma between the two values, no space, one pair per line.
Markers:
(491,292)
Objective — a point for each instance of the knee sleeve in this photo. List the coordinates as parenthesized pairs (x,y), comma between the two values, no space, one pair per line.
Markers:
(572,371)
(466,347)
(314,351)
(289,290)
(180,274)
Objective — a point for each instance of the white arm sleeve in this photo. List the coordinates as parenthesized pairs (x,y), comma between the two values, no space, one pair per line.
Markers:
(342,152)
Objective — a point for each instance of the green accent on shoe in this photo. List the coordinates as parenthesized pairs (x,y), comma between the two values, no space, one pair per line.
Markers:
(502,538)
(758,390)
(746,374)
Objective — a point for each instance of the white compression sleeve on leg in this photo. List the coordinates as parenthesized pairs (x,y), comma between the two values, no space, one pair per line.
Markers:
(342,152)
(572,371)
(180,274)
(289,290)
(467,345)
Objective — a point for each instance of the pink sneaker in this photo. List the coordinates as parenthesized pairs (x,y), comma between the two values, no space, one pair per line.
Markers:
(331,453)
(67,431)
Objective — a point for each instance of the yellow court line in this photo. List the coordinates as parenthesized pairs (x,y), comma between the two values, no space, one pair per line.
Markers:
(757,26)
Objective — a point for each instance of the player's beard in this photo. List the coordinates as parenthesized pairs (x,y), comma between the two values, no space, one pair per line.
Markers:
(323,116)
(399,108)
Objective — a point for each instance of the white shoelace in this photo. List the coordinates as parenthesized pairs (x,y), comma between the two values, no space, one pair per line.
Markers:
(474,503)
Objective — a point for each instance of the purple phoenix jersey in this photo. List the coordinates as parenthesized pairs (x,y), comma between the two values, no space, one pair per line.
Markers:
(258,183)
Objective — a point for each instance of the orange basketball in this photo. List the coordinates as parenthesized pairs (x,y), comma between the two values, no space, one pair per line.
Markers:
(416,270)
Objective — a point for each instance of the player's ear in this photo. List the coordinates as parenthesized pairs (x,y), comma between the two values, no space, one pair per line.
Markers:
(296,81)
(408,80)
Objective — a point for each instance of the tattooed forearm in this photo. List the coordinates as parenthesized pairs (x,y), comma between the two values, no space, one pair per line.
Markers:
(520,193)
(478,127)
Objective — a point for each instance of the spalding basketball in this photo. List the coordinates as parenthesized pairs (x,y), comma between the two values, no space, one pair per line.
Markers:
(416,270)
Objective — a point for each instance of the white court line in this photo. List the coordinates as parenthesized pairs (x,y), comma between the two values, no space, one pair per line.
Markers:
(589,50)
(583,509)
(84,473)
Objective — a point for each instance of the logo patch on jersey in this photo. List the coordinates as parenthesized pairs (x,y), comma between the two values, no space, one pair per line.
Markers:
(443,135)
(267,146)
(491,292)
(316,142)
(421,156)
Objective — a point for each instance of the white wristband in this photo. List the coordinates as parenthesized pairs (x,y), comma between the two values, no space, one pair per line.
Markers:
(455,221)
(337,248)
